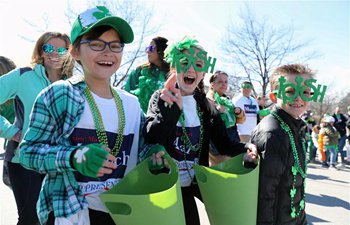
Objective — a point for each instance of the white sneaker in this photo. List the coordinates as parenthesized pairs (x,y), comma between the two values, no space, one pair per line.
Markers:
(332,167)
(340,166)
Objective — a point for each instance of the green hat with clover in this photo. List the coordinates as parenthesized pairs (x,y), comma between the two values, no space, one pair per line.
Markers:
(101,16)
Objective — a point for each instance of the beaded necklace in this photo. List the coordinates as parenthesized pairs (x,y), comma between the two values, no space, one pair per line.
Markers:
(296,168)
(96,115)
(186,140)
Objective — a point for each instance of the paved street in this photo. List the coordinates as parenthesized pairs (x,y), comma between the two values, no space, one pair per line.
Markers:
(327,199)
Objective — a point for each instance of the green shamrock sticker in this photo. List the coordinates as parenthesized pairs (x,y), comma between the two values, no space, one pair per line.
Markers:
(293,192)
(91,16)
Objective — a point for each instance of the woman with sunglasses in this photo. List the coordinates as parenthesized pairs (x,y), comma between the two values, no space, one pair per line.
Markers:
(23,85)
(149,77)
(230,114)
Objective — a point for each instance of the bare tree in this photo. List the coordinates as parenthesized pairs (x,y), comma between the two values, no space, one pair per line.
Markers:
(40,28)
(344,102)
(257,48)
(328,105)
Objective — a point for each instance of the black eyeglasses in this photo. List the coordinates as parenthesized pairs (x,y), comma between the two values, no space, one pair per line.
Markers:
(99,45)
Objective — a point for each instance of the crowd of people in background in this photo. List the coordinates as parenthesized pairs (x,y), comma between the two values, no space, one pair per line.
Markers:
(328,140)
(54,122)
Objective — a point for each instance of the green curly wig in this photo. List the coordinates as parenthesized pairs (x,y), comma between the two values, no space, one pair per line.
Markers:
(185,43)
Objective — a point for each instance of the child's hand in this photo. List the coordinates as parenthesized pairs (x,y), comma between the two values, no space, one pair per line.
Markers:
(251,155)
(170,93)
(238,110)
(157,161)
(93,160)
(221,108)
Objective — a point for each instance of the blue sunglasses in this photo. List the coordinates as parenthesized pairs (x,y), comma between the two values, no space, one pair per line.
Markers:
(49,48)
(150,48)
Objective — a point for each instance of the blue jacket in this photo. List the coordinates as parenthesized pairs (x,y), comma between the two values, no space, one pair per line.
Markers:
(22,85)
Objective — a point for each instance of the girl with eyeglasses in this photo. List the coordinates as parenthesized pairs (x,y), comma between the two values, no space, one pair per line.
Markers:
(84,133)
(49,64)
(149,77)
(184,121)
(230,114)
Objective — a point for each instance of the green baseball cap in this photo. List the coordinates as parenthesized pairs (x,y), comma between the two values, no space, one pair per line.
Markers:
(246,85)
(101,16)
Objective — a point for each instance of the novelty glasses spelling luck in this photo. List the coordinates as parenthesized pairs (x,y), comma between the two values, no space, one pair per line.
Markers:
(307,90)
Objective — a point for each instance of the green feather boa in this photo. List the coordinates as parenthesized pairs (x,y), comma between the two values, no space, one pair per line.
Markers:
(229,117)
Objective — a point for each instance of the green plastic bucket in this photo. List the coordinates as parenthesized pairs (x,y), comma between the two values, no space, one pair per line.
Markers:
(229,192)
(144,198)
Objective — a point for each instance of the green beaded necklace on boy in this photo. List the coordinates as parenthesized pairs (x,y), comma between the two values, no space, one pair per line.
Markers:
(186,140)
(296,168)
(96,115)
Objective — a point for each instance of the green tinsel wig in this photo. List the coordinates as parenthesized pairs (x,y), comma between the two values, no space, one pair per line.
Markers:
(186,43)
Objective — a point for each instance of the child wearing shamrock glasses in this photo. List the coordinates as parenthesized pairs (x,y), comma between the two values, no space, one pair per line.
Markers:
(282,148)
(23,85)
(183,120)
(84,134)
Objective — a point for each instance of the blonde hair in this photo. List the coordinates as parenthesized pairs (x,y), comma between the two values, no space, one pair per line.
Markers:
(290,69)
(37,57)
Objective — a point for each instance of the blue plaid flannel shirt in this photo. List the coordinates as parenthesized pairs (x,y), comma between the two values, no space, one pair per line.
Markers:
(46,147)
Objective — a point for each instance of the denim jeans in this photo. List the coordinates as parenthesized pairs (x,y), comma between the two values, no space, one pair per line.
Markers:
(331,155)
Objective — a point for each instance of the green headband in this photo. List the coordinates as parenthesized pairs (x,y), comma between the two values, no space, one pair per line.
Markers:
(182,61)
(299,89)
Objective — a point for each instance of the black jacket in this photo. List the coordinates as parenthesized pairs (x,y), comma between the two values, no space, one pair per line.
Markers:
(340,124)
(160,127)
(276,178)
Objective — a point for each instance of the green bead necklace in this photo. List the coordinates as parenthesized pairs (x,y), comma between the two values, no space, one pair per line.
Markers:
(186,140)
(296,168)
(96,115)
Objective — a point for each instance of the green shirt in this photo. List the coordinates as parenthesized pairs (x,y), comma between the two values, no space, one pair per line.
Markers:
(144,81)
(7,110)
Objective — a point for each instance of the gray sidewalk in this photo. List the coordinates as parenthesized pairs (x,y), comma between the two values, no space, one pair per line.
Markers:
(327,198)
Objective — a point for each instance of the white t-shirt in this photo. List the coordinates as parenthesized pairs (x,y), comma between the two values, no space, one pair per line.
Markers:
(251,107)
(192,125)
(85,133)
